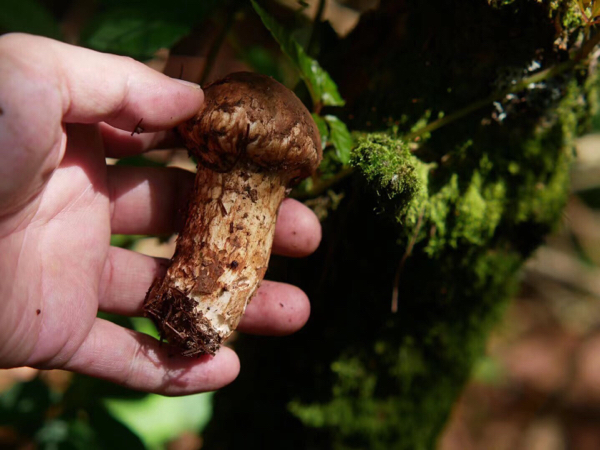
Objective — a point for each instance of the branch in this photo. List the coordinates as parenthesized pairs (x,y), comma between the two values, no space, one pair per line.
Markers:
(321,185)
(522,85)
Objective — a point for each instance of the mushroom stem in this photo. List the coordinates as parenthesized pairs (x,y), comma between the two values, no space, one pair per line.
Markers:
(222,255)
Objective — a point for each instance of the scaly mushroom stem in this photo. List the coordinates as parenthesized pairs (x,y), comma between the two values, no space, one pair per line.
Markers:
(221,257)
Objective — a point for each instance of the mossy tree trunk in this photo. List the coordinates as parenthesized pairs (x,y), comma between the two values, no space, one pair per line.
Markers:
(445,221)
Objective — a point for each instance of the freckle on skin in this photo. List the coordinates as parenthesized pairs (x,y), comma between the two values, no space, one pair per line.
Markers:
(281,304)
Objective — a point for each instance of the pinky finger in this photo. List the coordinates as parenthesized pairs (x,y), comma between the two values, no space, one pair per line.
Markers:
(140,362)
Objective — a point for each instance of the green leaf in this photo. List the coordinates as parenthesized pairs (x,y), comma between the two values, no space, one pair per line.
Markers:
(340,138)
(134,32)
(125,240)
(595,9)
(24,406)
(111,432)
(158,419)
(28,16)
(138,28)
(322,88)
(117,319)
(145,325)
(86,392)
(263,61)
(95,429)
(323,129)
(67,434)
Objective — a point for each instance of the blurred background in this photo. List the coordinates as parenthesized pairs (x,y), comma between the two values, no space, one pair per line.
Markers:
(536,387)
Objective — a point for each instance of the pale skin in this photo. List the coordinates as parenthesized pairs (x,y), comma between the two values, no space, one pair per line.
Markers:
(63,110)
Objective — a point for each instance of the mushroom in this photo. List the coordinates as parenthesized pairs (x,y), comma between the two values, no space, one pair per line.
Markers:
(253,140)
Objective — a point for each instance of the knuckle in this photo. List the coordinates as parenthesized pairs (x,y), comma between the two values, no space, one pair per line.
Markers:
(19,43)
(12,40)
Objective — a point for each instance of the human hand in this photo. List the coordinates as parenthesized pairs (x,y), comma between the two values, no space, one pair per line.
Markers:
(63,110)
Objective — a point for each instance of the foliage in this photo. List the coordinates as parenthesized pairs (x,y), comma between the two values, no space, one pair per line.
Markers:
(55,420)
(590,11)
(322,88)
(28,16)
(158,420)
(139,28)
(341,139)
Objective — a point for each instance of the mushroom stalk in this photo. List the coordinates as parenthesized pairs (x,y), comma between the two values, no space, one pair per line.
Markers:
(222,255)
(253,139)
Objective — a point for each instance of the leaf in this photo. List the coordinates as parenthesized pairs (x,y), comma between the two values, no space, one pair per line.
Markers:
(127,31)
(139,28)
(28,16)
(158,419)
(595,9)
(96,429)
(340,138)
(146,326)
(68,434)
(262,61)
(117,319)
(85,391)
(323,130)
(322,88)
(111,432)
(125,240)
(25,405)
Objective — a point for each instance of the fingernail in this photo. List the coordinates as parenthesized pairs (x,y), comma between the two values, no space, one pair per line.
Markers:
(187,83)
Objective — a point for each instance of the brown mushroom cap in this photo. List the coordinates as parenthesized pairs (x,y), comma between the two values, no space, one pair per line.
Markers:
(251,119)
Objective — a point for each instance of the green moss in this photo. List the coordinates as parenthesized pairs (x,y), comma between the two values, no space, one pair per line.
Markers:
(478,211)
(439,207)
(388,165)
(458,216)
(394,173)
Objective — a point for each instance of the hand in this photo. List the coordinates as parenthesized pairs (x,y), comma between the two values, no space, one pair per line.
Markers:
(63,110)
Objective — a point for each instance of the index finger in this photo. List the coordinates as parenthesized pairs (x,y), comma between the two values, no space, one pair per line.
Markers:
(98,87)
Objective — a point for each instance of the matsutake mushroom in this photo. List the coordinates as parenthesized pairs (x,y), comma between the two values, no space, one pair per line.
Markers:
(253,139)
